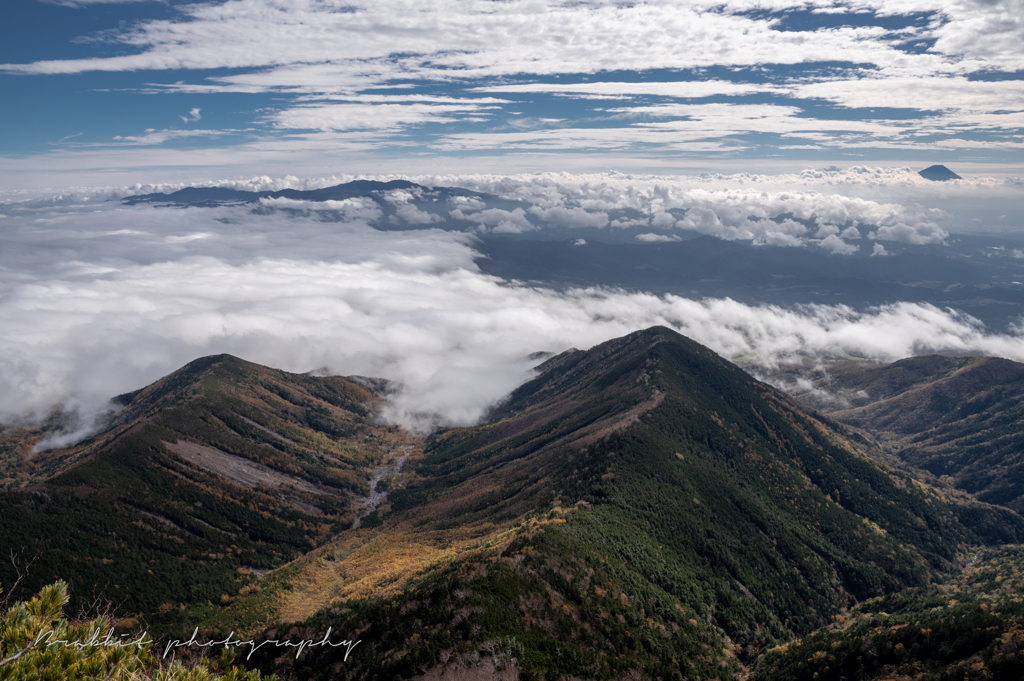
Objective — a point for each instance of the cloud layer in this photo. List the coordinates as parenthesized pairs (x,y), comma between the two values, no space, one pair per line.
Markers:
(100,299)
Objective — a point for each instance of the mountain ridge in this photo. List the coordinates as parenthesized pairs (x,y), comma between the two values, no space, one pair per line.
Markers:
(645,492)
(223,466)
(679,506)
(957,417)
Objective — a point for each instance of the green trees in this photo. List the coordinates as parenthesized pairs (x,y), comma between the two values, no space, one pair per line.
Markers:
(38,643)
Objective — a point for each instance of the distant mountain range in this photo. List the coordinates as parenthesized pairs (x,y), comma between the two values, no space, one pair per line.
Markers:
(976,274)
(643,509)
(213,196)
(432,206)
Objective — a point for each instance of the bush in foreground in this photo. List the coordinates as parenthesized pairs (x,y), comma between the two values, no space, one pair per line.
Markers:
(38,642)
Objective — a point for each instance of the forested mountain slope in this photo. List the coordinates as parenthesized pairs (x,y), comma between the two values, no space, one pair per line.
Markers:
(208,477)
(643,506)
(961,417)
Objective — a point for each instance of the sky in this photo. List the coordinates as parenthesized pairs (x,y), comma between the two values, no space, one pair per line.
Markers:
(779,124)
(104,91)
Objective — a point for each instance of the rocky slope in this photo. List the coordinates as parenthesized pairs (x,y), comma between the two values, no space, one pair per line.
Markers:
(214,474)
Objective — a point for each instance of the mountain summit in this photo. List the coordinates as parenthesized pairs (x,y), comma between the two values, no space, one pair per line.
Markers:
(938,173)
(212,474)
(643,505)
(642,509)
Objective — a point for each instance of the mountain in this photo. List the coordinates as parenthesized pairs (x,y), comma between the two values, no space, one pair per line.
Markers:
(958,417)
(211,196)
(643,507)
(207,478)
(938,173)
(966,628)
(399,204)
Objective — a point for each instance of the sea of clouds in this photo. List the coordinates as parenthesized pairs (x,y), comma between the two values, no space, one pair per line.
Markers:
(99,298)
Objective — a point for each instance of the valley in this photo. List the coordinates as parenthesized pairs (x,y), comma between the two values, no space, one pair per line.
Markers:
(642,509)
(956,419)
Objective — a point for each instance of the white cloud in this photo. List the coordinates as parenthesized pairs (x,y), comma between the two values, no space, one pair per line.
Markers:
(362,116)
(328,61)
(879,250)
(473,38)
(570,217)
(741,206)
(412,215)
(359,208)
(651,237)
(154,137)
(934,93)
(985,31)
(466,204)
(722,127)
(611,138)
(748,207)
(130,294)
(629,223)
(380,153)
(837,246)
(921,233)
(779,239)
(701,33)
(85,3)
(611,89)
(499,220)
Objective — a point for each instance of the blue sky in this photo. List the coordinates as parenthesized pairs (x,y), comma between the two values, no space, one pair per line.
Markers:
(774,123)
(169,90)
